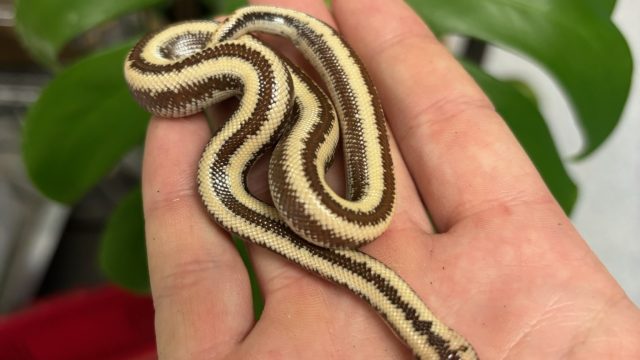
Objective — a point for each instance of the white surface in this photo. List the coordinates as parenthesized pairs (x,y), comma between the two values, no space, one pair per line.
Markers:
(608,209)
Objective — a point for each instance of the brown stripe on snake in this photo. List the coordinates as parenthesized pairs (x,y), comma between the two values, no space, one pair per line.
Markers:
(321,128)
(327,60)
(185,95)
(358,173)
(313,230)
(178,97)
(344,91)
(352,129)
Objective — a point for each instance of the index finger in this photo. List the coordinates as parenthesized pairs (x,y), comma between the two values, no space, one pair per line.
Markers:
(461,153)
(200,288)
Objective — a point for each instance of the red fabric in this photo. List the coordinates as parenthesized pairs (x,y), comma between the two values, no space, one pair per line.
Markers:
(101,324)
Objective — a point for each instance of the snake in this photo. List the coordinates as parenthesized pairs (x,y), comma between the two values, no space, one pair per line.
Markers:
(187,67)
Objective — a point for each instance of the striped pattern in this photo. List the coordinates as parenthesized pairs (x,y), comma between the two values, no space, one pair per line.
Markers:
(189,66)
(328,219)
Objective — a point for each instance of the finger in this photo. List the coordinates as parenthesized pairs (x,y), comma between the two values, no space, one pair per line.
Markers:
(410,213)
(462,155)
(200,288)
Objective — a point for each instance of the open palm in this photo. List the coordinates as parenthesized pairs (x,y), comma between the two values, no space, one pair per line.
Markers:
(506,268)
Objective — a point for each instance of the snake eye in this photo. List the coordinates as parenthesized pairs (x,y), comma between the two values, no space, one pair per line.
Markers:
(184,44)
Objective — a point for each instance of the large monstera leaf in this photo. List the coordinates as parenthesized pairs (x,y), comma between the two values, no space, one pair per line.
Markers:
(575,40)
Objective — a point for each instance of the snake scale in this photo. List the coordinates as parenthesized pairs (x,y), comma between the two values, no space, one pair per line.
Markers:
(187,67)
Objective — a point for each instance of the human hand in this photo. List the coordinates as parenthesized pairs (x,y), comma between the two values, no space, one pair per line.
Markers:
(506,269)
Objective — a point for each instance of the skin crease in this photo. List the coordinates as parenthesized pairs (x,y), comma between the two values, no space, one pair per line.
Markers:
(506,269)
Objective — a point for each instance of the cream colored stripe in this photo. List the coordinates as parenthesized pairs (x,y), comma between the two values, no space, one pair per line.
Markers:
(355,78)
(341,227)
(297,181)
(172,81)
(249,148)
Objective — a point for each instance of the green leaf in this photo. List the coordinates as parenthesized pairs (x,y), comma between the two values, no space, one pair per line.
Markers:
(46,26)
(123,256)
(524,89)
(604,7)
(575,42)
(256,293)
(224,7)
(213,6)
(230,6)
(84,121)
(520,112)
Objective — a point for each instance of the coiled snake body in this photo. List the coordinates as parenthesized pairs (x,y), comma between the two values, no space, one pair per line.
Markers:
(187,67)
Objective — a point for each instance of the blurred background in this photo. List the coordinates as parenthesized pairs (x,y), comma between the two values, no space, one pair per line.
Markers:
(48,247)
